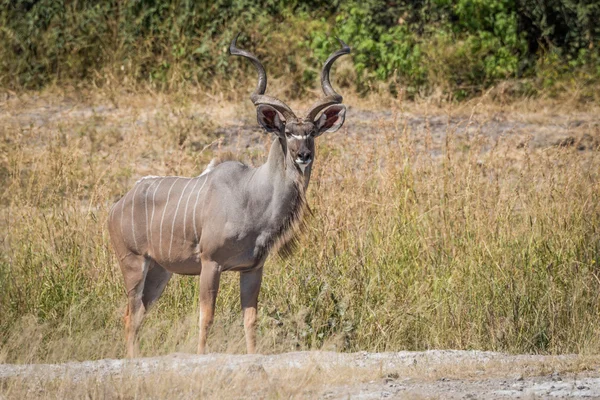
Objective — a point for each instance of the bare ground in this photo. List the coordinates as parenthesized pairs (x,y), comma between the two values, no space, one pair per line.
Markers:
(236,128)
(327,375)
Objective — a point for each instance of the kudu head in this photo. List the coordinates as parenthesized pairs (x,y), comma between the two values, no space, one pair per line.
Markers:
(297,135)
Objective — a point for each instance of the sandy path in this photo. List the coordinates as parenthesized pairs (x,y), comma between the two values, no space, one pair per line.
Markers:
(430,374)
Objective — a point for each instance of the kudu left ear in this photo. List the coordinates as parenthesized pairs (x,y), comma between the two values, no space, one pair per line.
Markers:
(331,120)
(269,119)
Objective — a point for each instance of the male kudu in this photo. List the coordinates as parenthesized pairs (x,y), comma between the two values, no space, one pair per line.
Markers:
(227,219)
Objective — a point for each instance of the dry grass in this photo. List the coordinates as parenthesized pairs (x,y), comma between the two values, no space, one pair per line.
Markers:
(222,384)
(419,240)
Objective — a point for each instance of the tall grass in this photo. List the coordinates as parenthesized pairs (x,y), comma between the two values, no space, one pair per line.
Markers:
(467,241)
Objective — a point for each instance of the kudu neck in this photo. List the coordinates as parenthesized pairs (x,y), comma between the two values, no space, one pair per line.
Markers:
(281,166)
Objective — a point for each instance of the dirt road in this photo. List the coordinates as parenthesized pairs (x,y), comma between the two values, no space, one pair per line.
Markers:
(327,375)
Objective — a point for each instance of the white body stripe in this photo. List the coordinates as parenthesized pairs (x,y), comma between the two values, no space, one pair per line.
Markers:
(153,208)
(186,208)
(146,207)
(123,210)
(175,218)
(195,207)
(132,221)
(112,211)
(147,177)
(160,241)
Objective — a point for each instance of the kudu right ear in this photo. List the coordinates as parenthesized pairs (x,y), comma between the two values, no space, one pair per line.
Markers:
(269,119)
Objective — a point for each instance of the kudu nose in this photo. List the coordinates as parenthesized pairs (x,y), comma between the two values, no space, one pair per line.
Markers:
(304,156)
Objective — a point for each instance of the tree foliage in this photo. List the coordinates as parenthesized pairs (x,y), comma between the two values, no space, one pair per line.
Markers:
(461,45)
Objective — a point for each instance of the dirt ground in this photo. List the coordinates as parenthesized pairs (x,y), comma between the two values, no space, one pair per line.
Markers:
(431,374)
(237,131)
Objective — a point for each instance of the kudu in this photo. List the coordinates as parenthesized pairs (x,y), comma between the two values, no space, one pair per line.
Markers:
(227,219)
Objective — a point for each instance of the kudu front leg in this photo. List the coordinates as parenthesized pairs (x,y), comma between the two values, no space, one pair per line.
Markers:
(210,277)
(249,288)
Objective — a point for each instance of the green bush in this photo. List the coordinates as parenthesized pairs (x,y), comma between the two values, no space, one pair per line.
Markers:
(462,46)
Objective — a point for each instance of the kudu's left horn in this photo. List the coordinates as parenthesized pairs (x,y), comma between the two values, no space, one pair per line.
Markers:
(258,96)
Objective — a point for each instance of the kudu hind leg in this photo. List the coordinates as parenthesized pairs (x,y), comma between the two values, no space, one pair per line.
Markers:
(134,269)
(249,289)
(210,277)
(154,284)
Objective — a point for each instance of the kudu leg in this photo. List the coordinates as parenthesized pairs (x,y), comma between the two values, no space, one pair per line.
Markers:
(210,277)
(134,269)
(249,288)
(133,320)
(155,283)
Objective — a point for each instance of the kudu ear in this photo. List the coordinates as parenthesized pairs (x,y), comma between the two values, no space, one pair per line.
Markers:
(331,120)
(269,119)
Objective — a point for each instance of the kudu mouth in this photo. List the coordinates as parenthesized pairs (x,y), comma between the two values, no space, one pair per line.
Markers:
(258,96)
(303,163)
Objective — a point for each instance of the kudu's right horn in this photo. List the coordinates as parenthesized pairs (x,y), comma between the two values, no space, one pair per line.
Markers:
(331,96)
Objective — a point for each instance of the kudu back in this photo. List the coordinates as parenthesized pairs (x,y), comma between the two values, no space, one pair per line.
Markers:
(227,219)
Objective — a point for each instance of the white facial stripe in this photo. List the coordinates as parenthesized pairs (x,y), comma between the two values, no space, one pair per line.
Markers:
(301,137)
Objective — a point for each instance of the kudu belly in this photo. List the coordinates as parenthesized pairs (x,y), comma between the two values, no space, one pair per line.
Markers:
(235,254)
